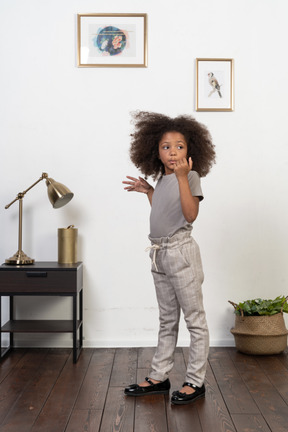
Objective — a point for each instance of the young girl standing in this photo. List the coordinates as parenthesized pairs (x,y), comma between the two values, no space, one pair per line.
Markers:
(177,152)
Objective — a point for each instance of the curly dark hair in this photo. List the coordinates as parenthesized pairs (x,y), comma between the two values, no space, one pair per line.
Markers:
(149,129)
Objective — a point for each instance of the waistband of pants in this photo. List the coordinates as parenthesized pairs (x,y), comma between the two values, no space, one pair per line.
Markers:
(181,236)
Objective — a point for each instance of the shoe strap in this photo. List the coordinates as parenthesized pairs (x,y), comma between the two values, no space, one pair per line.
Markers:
(189,385)
(149,381)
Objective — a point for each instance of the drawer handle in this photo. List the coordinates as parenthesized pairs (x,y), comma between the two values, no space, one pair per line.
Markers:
(36,274)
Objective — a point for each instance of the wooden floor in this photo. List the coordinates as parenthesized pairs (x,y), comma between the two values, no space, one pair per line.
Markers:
(41,390)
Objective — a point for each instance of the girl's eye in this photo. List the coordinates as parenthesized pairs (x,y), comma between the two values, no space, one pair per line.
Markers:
(165,147)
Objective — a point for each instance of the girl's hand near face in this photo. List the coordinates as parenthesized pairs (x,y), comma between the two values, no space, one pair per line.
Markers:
(182,167)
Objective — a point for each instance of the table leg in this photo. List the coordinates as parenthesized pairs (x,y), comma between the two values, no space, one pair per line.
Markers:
(74,328)
(11,311)
(5,350)
(1,324)
(81,319)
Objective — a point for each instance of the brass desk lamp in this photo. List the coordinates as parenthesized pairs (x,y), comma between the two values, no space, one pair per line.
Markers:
(58,194)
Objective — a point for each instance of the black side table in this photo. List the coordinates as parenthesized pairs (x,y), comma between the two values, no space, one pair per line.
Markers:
(43,279)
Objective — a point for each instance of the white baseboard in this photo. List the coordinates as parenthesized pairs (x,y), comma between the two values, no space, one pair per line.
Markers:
(52,342)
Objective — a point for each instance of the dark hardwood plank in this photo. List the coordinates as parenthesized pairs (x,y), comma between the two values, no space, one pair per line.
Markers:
(150,414)
(283,357)
(212,410)
(9,362)
(119,412)
(84,421)
(16,382)
(94,389)
(243,363)
(277,374)
(270,403)
(233,389)
(250,423)
(58,408)
(183,418)
(124,368)
(42,390)
(29,404)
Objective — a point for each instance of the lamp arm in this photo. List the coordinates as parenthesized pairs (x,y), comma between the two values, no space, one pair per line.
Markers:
(21,194)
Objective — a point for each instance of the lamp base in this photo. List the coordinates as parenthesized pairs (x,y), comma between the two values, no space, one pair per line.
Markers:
(19,258)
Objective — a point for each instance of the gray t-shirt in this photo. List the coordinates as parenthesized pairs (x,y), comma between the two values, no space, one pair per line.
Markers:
(166,213)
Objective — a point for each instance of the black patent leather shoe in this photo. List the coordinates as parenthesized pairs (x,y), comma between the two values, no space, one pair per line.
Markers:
(152,389)
(179,398)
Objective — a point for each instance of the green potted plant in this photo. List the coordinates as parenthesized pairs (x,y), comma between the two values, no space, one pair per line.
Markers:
(259,326)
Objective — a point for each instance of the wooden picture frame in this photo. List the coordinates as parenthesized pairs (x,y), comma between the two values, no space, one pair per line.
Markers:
(214,84)
(112,40)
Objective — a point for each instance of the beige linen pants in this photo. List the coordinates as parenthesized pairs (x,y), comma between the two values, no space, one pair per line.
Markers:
(178,276)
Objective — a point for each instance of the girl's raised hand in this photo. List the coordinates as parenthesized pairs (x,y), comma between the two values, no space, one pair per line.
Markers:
(183,167)
(137,185)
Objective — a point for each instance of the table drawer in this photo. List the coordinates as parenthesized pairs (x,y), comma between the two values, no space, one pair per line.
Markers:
(40,281)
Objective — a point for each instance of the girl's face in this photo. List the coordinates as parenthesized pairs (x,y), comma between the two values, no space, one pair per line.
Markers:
(172,148)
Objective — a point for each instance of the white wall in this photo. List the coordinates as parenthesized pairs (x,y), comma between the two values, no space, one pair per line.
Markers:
(74,123)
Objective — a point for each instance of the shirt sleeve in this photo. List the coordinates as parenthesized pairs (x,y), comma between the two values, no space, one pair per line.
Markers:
(195,185)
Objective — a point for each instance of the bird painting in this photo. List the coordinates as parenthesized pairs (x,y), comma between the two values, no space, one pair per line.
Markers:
(214,84)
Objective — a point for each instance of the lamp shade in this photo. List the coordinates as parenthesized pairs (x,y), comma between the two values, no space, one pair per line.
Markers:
(58,194)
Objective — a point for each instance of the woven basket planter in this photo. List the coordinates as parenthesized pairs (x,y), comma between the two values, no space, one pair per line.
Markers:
(260,335)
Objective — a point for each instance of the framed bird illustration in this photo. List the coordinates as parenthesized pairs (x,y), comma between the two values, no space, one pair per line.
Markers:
(214,84)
